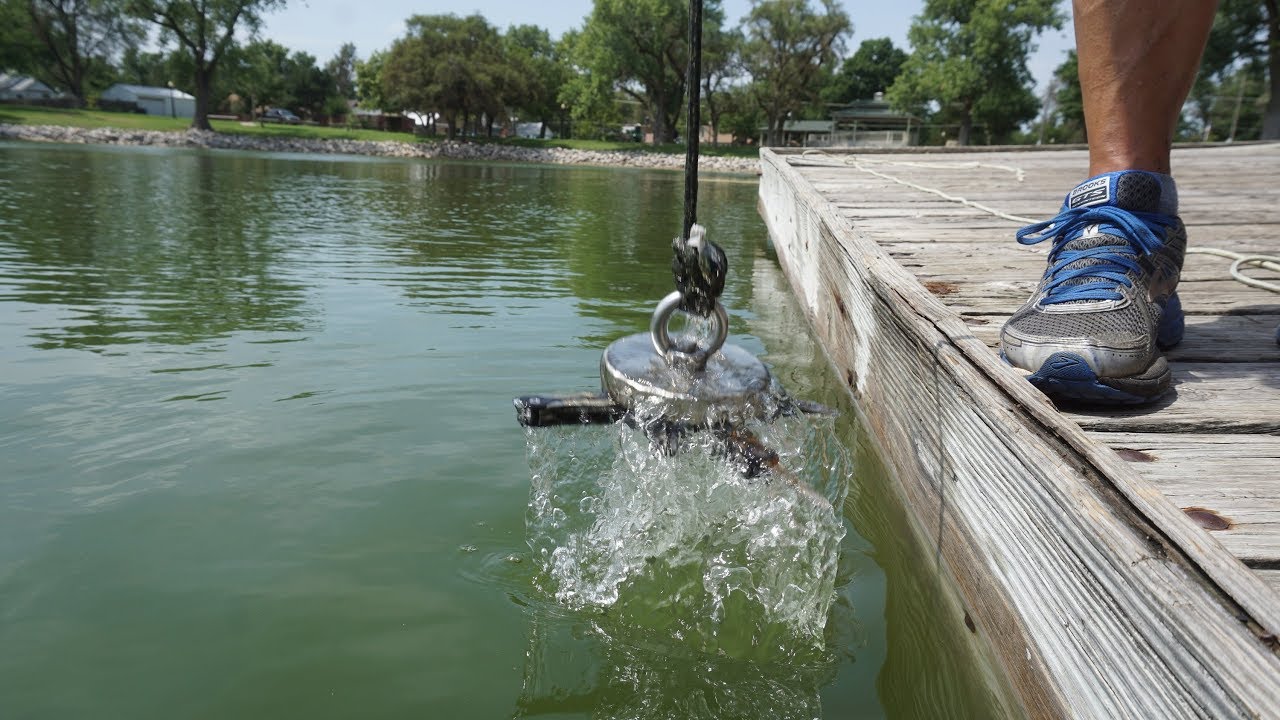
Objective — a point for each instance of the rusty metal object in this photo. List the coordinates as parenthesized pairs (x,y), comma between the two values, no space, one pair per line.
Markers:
(1208,519)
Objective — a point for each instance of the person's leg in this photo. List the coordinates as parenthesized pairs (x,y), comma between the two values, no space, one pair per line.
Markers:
(1138,60)
(1107,303)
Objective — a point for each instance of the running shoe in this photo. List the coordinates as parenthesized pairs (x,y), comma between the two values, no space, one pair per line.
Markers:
(1108,302)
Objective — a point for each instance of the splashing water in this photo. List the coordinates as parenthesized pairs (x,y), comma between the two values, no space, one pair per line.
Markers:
(681,548)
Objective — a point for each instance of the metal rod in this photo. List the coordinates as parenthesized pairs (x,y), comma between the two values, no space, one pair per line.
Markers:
(693,120)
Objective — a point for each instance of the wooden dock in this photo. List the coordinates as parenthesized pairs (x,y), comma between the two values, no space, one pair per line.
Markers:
(1109,563)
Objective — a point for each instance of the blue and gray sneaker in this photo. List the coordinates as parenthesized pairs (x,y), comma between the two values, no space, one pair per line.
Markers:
(1107,304)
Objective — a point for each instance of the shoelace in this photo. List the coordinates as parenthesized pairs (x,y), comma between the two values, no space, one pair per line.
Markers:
(1143,232)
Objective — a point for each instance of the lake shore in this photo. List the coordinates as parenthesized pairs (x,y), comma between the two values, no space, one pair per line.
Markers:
(446,149)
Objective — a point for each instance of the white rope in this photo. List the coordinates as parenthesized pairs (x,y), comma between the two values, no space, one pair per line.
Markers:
(857,164)
(1267,262)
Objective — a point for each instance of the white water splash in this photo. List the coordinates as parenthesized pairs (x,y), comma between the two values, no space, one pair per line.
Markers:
(682,547)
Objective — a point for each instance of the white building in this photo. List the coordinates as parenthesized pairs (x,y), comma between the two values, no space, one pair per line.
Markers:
(153,100)
(22,87)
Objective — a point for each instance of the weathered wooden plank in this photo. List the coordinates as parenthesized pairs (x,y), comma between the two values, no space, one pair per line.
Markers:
(1209,338)
(1039,186)
(1210,297)
(1271,577)
(1086,615)
(1217,205)
(1014,262)
(999,235)
(1229,476)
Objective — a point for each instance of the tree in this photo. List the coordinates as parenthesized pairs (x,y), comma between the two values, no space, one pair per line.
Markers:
(1242,115)
(872,69)
(1231,105)
(639,47)
(1245,33)
(72,43)
(446,64)
(741,117)
(153,68)
(19,49)
(369,80)
(267,73)
(587,96)
(206,30)
(1271,118)
(721,63)
(307,87)
(788,45)
(257,72)
(541,69)
(969,59)
(1070,101)
(341,68)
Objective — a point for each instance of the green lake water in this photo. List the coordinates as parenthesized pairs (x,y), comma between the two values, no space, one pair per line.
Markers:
(258,457)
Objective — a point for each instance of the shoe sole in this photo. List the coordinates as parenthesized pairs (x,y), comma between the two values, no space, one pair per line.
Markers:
(1068,376)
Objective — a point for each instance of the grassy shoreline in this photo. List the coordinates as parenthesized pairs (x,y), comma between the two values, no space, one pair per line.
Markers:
(28,115)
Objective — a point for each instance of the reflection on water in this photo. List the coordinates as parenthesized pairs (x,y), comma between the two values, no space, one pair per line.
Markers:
(185,247)
(196,262)
(258,459)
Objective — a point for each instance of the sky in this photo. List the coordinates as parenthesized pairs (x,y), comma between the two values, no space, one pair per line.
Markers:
(320,27)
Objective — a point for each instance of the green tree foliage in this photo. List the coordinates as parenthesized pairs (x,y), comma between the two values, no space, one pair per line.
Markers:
(77,41)
(639,47)
(1244,116)
(341,68)
(721,65)
(369,80)
(588,96)
(1232,105)
(19,49)
(1061,112)
(1068,101)
(870,70)
(742,117)
(205,30)
(540,71)
(309,89)
(257,72)
(969,60)
(450,65)
(266,73)
(157,69)
(788,46)
(1246,33)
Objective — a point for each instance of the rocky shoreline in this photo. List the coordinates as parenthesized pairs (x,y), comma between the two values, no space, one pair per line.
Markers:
(452,150)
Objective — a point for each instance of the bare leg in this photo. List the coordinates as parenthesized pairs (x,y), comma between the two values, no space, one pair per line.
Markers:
(1138,60)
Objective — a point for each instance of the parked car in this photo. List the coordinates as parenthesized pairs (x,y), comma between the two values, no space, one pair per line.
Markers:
(280,115)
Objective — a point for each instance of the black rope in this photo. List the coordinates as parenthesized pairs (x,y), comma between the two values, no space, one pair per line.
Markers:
(693,120)
(698,270)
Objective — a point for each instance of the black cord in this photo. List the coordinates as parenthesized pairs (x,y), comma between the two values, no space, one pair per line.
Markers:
(693,120)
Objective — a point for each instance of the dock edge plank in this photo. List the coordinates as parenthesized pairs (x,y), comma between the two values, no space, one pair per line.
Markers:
(1098,596)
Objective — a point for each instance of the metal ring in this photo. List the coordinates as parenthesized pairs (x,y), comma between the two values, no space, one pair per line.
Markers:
(662,338)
